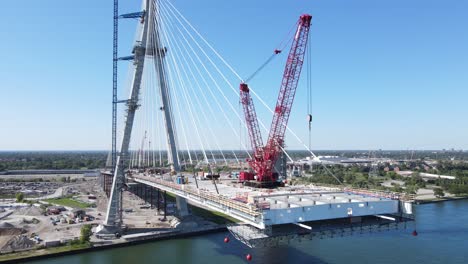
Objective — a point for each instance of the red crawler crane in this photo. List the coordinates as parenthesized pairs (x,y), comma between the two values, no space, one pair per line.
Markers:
(265,157)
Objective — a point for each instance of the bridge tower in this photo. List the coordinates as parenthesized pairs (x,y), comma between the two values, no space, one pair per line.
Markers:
(147,45)
(158,53)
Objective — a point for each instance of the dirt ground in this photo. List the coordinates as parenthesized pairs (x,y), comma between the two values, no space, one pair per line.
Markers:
(32,222)
(31,225)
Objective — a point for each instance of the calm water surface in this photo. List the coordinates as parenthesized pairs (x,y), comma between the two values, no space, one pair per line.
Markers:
(443,238)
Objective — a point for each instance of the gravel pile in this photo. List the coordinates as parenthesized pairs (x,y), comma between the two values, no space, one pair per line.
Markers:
(29,211)
(21,242)
(6,225)
(31,221)
(8,229)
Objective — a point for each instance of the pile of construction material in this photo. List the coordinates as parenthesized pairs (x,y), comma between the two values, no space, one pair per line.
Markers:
(18,243)
(7,229)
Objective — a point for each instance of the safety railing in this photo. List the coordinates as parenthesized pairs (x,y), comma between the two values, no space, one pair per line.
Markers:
(250,209)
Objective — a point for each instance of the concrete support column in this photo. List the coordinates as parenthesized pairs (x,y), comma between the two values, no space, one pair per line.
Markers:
(151,197)
(158,204)
(165,205)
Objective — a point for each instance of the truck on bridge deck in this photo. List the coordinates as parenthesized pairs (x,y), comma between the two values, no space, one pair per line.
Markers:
(207,176)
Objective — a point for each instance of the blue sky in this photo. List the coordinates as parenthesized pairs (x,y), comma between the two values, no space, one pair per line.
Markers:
(385,74)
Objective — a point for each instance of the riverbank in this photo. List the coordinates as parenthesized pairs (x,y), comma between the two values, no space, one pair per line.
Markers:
(39,254)
(439,200)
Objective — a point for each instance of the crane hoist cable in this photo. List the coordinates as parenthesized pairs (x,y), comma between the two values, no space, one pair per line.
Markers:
(309,92)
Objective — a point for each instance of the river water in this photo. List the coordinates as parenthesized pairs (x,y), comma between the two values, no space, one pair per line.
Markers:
(442,228)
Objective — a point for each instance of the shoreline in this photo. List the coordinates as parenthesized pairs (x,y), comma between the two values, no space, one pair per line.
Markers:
(176,235)
(439,200)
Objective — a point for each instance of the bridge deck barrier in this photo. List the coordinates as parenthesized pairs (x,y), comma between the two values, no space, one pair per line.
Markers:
(249,209)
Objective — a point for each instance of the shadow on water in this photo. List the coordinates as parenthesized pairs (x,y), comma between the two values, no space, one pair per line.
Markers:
(286,254)
(276,255)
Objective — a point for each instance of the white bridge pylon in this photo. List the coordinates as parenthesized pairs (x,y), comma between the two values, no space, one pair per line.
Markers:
(148,48)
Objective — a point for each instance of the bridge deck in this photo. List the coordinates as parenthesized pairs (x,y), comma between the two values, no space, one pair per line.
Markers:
(261,207)
(242,211)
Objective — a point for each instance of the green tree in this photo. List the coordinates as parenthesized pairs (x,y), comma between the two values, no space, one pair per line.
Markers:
(397,188)
(19,197)
(392,175)
(85,234)
(438,192)
(411,189)
(349,178)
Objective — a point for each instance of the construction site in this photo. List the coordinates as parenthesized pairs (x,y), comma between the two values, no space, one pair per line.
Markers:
(140,196)
(56,219)
(50,216)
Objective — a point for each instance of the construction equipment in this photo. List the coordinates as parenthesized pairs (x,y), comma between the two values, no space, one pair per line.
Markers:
(265,157)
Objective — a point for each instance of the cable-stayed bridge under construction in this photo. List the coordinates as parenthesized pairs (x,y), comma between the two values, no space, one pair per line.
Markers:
(186,105)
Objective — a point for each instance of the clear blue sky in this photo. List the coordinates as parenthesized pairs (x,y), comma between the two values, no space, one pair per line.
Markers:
(386,74)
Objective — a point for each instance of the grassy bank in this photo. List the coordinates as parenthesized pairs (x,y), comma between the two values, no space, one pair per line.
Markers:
(8,196)
(68,202)
(40,252)
(437,200)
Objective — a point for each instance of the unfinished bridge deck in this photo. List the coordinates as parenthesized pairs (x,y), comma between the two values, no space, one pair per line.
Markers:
(286,205)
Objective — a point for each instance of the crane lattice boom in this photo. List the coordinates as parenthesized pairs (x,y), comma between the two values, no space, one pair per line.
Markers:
(266,156)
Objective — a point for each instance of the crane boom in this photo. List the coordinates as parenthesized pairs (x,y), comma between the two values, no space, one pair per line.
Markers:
(253,128)
(266,156)
(251,119)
